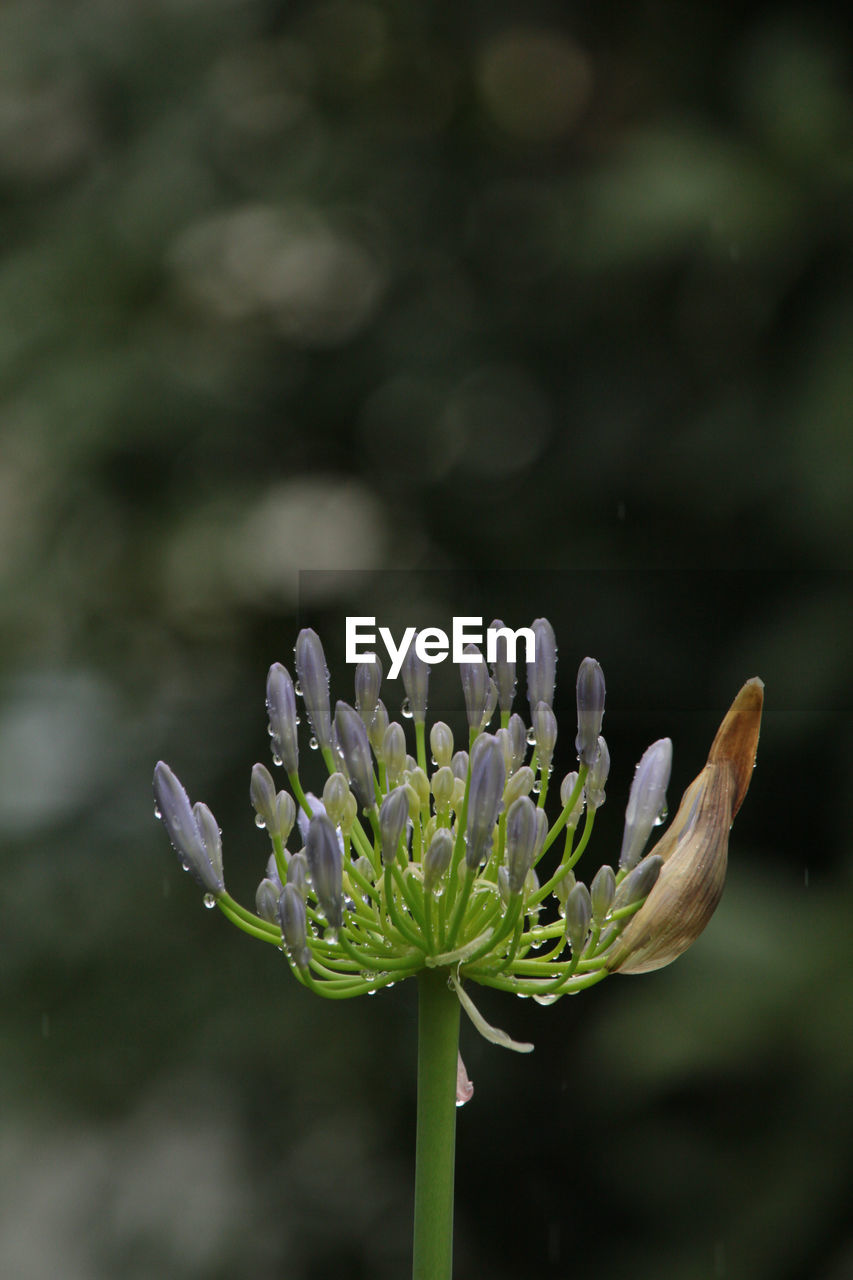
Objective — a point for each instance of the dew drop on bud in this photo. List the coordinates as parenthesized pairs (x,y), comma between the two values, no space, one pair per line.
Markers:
(406,709)
(313,743)
(259,822)
(276,760)
(531,737)
(209,900)
(157,813)
(662,817)
(297,688)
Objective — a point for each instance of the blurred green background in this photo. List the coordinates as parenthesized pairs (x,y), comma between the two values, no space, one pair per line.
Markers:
(481,308)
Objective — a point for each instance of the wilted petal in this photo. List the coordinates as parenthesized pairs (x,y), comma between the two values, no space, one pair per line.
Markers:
(695,848)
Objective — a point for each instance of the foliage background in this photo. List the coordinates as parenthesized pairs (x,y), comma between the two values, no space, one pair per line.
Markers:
(538,308)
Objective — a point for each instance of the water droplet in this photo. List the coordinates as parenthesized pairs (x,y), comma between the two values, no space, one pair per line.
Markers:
(297,688)
(547,999)
(662,816)
(406,709)
(185,865)
(270,730)
(297,719)
(209,900)
(276,759)
(313,743)
(157,813)
(531,737)
(537,787)
(259,822)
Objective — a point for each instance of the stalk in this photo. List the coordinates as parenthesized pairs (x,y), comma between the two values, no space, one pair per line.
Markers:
(438,1047)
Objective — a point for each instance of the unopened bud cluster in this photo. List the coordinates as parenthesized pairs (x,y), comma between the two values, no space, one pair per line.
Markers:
(421,855)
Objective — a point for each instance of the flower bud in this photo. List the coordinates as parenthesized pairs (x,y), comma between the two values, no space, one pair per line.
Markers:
(297,873)
(694,849)
(262,795)
(520,784)
(415,673)
(335,793)
(517,731)
(639,882)
(355,748)
(394,752)
(437,858)
(182,828)
(596,779)
(601,893)
(325,862)
(377,727)
(281,705)
(578,916)
(441,742)
(210,834)
(284,816)
(368,681)
(420,782)
(266,901)
(314,681)
(545,729)
(459,765)
(291,916)
(590,696)
(503,670)
(542,671)
(567,786)
(522,830)
(475,685)
(393,813)
(646,800)
(442,787)
(488,775)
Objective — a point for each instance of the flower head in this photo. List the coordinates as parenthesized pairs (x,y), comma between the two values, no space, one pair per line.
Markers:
(457,867)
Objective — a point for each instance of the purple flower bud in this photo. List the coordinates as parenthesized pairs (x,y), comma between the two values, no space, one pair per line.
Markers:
(182,828)
(578,916)
(459,765)
(437,858)
(567,786)
(639,883)
(646,801)
(210,834)
(368,680)
(596,779)
(284,816)
(314,680)
(475,685)
(297,873)
(503,670)
(355,748)
(394,752)
(542,671)
(266,900)
(488,776)
(545,729)
(590,695)
(335,794)
(325,862)
(393,814)
(291,915)
(601,893)
(520,784)
(415,673)
(281,705)
(262,794)
(522,830)
(517,731)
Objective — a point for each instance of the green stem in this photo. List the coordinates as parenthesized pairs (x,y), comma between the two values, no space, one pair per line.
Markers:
(438,1046)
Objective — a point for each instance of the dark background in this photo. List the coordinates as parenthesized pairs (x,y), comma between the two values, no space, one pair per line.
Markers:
(520,309)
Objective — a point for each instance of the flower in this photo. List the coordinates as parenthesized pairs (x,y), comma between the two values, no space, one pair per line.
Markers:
(407,868)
